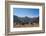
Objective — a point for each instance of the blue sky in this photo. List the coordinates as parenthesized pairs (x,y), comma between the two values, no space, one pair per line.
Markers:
(22,12)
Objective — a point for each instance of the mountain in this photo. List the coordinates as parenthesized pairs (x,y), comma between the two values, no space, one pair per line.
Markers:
(25,19)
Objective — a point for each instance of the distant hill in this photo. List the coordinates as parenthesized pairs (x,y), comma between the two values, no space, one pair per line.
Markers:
(25,19)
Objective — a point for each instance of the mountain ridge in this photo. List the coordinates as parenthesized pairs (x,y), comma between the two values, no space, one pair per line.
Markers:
(25,19)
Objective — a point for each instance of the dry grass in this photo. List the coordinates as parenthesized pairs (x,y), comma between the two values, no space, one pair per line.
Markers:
(26,25)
